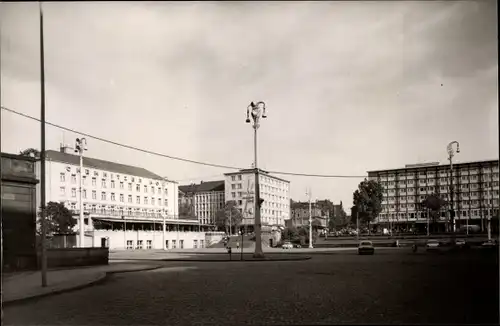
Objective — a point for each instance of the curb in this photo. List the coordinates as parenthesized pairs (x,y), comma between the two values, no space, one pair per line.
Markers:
(238,260)
(101,279)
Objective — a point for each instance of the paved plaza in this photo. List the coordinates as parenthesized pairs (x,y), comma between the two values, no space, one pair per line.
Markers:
(391,287)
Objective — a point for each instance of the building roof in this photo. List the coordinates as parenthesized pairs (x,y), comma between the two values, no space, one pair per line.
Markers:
(433,165)
(203,187)
(89,162)
(263,172)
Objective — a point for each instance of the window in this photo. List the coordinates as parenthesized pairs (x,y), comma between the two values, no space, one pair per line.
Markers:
(94,194)
(148,244)
(239,177)
(84,180)
(233,186)
(73,192)
(129,198)
(233,178)
(103,183)
(94,181)
(195,244)
(62,191)
(113,196)
(146,200)
(181,244)
(239,185)
(62,177)
(121,184)
(166,191)
(138,199)
(145,188)
(152,189)
(174,245)
(166,202)
(112,183)
(103,196)
(130,244)
(121,198)
(73,178)
(201,244)
(166,244)
(139,244)
(138,188)
(152,201)
(84,193)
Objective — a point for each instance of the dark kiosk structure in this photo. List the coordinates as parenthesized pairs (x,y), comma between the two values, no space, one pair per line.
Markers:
(18,212)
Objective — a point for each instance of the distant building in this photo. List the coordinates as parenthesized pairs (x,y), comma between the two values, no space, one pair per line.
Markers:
(300,215)
(203,200)
(476,192)
(239,186)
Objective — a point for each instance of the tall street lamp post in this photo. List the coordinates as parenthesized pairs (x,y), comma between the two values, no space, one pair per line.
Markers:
(451,153)
(80,147)
(309,193)
(256,110)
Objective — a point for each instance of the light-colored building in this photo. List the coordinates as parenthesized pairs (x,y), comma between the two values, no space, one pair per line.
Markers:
(475,185)
(116,197)
(204,200)
(240,187)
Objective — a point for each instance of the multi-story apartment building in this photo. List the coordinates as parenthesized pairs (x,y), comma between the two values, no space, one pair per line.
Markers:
(240,187)
(300,215)
(205,200)
(475,186)
(115,196)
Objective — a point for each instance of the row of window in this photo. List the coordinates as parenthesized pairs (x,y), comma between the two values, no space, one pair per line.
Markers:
(149,243)
(486,170)
(104,196)
(112,176)
(104,184)
(458,203)
(418,215)
(434,181)
(263,179)
(440,188)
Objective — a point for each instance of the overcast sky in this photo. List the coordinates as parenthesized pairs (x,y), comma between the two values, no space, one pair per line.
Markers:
(349,86)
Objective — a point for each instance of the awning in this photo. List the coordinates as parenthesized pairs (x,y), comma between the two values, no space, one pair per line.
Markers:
(169,221)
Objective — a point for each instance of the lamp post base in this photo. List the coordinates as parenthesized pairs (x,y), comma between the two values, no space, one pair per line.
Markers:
(258,255)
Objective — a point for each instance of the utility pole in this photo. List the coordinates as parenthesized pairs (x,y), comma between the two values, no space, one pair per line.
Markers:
(42,154)
(164,246)
(310,219)
(450,158)
(80,147)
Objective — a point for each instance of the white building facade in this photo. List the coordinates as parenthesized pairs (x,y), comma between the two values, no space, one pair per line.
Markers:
(116,197)
(475,185)
(240,187)
(205,199)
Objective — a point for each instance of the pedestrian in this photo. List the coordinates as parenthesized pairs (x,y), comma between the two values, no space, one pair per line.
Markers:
(237,245)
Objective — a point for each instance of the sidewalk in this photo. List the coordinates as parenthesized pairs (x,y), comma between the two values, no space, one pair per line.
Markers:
(26,285)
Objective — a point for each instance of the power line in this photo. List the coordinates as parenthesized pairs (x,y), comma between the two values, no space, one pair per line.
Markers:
(175,157)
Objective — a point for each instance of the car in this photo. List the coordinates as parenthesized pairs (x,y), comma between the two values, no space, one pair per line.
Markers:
(460,242)
(366,247)
(287,245)
(432,245)
(297,245)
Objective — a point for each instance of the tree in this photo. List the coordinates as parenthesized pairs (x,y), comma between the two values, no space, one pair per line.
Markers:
(228,216)
(433,203)
(291,234)
(58,219)
(368,200)
(31,152)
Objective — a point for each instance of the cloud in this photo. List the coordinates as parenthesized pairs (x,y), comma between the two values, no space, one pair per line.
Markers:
(349,86)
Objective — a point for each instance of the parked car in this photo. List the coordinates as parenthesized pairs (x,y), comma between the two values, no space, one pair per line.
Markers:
(366,247)
(287,245)
(432,245)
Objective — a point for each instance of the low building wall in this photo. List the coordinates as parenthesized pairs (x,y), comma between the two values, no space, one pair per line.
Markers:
(213,238)
(148,239)
(66,257)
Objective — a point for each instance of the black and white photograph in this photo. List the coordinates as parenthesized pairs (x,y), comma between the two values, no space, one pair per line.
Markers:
(249,162)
